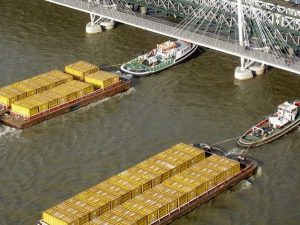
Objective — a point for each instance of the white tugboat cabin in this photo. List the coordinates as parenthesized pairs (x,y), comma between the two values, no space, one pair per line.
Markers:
(286,113)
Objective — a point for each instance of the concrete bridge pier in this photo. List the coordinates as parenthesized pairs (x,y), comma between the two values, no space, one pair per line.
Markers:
(93,27)
(258,68)
(242,73)
(98,24)
(249,69)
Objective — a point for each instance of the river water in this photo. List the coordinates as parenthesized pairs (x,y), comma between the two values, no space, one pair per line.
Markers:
(196,101)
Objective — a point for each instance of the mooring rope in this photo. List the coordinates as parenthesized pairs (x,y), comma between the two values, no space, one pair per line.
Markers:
(247,150)
(231,139)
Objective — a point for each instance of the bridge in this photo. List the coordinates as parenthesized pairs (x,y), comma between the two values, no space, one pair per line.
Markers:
(252,30)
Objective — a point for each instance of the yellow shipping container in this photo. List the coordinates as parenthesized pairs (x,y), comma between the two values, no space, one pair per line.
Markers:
(181,196)
(81,215)
(60,75)
(39,101)
(136,218)
(26,87)
(9,95)
(217,172)
(149,211)
(102,79)
(184,150)
(154,178)
(81,69)
(158,168)
(77,203)
(226,162)
(227,171)
(182,155)
(189,149)
(112,196)
(123,194)
(198,182)
(80,88)
(53,103)
(95,200)
(209,176)
(24,108)
(55,217)
(44,82)
(112,218)
(163,198)
(97,221)
(149,201)
(32,86)
(62,95)
(131,186)
(190,190)
(132,177)
(66,91)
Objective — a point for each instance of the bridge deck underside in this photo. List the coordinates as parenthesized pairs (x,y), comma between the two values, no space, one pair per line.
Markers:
(166,28)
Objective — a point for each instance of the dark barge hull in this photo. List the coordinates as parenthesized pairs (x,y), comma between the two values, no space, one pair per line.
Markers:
(21,123)
(246,172)
(272,137)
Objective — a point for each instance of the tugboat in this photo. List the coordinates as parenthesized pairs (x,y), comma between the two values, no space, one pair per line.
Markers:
(163,56)
(284,120)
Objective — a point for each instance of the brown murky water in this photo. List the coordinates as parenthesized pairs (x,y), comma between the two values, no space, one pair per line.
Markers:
(198,100)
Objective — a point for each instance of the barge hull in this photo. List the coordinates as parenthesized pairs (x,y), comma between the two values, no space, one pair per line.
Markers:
(21,123)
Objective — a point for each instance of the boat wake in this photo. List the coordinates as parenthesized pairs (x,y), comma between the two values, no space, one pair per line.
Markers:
(259,172)
(245,185)
(236,151)
(9,132)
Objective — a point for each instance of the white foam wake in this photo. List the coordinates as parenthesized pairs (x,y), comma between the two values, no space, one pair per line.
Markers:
(245,184)
(9,131)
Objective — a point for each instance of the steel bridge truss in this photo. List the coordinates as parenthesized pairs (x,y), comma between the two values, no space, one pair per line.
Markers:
(286,21)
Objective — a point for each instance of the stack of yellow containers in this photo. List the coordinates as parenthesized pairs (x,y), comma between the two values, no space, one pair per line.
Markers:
(32,86)
(26,86)
(102,79)
(73,90)
(42,82)
(171,194)
(81,88)
(129,184)
(51,79)
(24,108)
(51,98)
(9,95)
(80,69)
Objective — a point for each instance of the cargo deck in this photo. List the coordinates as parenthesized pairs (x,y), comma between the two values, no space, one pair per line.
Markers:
(16,121)
(156,191)
(45,96)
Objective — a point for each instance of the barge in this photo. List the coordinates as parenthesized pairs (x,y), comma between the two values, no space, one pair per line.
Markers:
(286,119)
(49,95)
(156,191)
